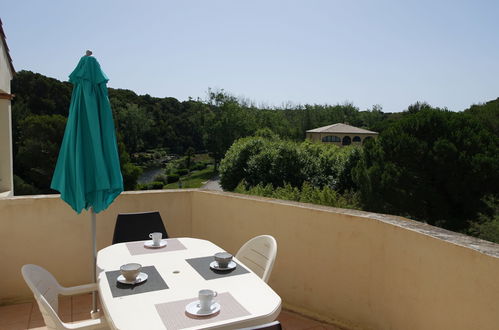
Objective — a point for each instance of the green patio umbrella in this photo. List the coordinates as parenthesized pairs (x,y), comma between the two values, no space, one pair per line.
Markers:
(87,173)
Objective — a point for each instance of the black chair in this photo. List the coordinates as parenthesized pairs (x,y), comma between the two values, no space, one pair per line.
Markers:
(276,325)
(137,226)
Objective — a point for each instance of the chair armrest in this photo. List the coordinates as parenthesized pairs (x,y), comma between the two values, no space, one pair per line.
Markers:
(79,289)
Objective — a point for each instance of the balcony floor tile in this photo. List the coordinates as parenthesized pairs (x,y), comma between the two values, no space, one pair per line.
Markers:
(15,326)
(77,308)
(15,316)
(293,321)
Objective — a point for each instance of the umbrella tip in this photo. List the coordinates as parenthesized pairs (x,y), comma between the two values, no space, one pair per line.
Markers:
(88,53)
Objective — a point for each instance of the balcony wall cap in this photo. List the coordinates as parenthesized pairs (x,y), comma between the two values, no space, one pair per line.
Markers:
(482,246)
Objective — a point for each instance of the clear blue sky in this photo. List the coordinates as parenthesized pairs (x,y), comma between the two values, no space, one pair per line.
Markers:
(367,52)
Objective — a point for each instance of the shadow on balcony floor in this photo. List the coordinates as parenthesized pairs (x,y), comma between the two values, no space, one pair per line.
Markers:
(76,308)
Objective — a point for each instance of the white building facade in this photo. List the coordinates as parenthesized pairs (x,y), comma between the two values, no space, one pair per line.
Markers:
(6,74)
(340,135)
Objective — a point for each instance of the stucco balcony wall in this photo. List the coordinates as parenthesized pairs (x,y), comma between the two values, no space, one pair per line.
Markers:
(356,269)
(44,230)
(359,269)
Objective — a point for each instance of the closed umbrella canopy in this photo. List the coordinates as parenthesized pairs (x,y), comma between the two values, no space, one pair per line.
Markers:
(88,173)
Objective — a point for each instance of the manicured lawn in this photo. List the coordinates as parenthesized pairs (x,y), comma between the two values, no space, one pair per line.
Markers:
(202,158)
(194,180)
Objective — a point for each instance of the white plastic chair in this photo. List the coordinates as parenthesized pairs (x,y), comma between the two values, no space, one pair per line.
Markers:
(46,290)
(258,254)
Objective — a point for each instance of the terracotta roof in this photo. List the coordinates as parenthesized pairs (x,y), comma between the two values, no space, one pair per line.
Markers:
(340,128)
(4,41)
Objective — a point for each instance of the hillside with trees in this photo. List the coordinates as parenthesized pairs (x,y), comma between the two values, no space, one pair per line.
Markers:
(428,164)
(145,123)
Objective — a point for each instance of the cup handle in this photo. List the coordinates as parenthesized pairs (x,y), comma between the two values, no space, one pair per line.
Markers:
(215,294)
(150,235)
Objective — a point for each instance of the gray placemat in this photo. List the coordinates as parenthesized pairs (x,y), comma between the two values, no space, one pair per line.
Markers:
(174,316)
(202,266)
(154,282)
(137,248)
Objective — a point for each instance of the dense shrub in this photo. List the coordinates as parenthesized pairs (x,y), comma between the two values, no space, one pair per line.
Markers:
(266,133)
(130,173)
(142,186)
(233,166)
(150,185)
(487,225)
(161,178)
(172,178)
(487,230)
(272,161)
(23,188)
(170,168)
(279,162)
(306,194)
(156,185)
(331,166)
(182,171)
(142,158)
(199,166)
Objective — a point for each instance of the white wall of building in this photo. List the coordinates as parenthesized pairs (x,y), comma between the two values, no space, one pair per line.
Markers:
(5,74)
(6,166)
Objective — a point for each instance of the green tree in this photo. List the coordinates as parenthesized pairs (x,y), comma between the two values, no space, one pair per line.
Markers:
(233,166)
(189,154)
(432,165)
(43,95)
(228,123)
(486,226)
(41,137)
(487,114)
(259,160)
(129,171)
(266,133)
(371,118)
(133,123)
(23,188)
(277,163)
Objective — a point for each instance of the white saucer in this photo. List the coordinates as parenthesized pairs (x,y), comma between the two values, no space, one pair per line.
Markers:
(149,244)
(140,278)
(230,266)
(193,309)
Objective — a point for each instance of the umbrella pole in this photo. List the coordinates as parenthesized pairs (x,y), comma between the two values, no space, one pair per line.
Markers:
(94,312)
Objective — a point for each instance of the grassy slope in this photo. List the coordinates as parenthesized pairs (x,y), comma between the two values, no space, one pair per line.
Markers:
(194,180)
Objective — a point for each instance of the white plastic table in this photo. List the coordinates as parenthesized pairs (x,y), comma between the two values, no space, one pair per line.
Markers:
(138,311)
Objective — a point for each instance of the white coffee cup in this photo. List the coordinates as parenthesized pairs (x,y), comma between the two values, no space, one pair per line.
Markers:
(130,271)
(206,299)
(156,238)
(223,259)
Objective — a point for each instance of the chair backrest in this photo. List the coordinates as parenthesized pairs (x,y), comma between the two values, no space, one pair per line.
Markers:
(137,226)
(259,254)
(276,325)
(46,290)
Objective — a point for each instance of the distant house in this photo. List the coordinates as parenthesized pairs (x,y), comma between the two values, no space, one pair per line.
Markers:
(340,134)
(6,74)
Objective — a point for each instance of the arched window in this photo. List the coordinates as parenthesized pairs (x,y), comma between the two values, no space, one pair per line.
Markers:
(356,139)
(331,138)
(346,141)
